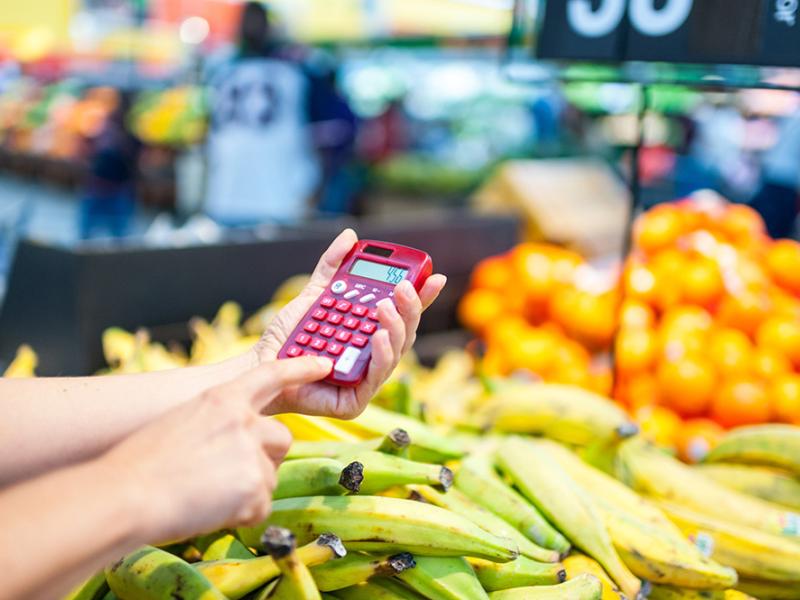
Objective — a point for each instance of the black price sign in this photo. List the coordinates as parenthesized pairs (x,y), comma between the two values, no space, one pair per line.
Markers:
(758,32)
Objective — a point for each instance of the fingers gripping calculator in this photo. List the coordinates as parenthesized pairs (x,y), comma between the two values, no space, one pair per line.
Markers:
(344,318)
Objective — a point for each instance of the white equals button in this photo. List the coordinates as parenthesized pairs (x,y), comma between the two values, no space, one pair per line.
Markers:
(346,361)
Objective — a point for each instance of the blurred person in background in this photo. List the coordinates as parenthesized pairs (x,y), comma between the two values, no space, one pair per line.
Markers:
(263,164)
(109,196)
(777,200)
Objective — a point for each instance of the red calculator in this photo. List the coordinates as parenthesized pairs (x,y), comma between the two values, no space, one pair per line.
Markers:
(344,318)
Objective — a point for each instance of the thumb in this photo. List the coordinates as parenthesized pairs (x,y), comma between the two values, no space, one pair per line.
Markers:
(265,382)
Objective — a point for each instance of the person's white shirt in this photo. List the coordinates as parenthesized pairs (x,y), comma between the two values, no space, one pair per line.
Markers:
(262,166)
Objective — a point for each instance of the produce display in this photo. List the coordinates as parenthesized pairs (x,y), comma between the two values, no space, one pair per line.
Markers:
(708,327)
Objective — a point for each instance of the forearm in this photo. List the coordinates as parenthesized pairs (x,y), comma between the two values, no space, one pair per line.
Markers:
(53,422)
(61,528)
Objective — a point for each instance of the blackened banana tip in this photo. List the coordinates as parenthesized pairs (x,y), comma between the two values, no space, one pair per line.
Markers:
(402,562)
(278,541)
(352,477)
(562,576)
(446,478)
(627,430)
(332,541)
(400,437)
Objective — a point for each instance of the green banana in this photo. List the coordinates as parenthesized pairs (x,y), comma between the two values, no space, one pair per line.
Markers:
(238,577)
(769,445)
(476,477)
(153,574)
(458,503)
(768,590)
(93,588)
(426,444)
(517,573)
(583,587)
(309,477)
(766,483)
(751,552)
(536,473)
(329,449)
(662,592)
(374,472)
(226,547)
(110,596)
(379,524)
(296,582)
(396,442)
(654,473)
(562,412)
(378,589)
(444,578)
(647,541)
(357,568)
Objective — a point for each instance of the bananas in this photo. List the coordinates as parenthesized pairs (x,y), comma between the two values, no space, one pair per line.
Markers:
(226,546)
(477,479)
(93,588)
(561,412)
(373,472)
(24,363)
(768,445)
(309,477)
(296,582)
(669,593)
(579,564)
(357,568)
(237,577)
(583,587)
(535,472)
(444,578)
(153,574)
(517,573)
(379,524)
(378,589)
(766,483)
(656,474)
(765,590)
(751,552)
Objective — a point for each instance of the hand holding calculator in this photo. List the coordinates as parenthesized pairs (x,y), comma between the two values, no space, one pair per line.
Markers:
(340,324)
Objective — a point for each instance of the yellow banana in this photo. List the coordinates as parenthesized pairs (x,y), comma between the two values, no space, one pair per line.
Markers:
(296,582)
(751,552)
(476,477)
(662,592)
(577,564)
(648,542)
(379,524)
(373,472)
(314,429)
(378,589)
(93,588)
(536,473)
(517,573)
(654,473)
(309,477)
(583,587)
(153,574)
(769,590)
(290,289)
(566,413)
(357,568)
(766,483)
(237,577)
(444,578)
(118,346)
(769,445)
(224,547)
(458,503)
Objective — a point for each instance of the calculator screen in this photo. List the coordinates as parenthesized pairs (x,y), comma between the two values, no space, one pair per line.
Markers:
(379,272)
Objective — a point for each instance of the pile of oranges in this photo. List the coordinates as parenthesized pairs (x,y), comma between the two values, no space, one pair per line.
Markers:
(708,328)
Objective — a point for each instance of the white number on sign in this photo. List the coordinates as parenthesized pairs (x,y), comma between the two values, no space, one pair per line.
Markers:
(645,17)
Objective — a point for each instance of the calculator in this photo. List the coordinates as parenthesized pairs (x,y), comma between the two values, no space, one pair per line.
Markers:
(344,318)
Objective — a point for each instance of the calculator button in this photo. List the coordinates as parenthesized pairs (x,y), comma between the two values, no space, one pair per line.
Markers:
(373,315)
(302,339)
(351,294)
(318,344)
(343,336)
(293,351)
(309,353)
(311,326)
(343,306)
(359,341)
(319,314)
(351,322)
(367,298)
(359,310)
(347,360)
(335,349)
(368,328)
(327,330)
(335,318)
(327,301)
(337,287)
